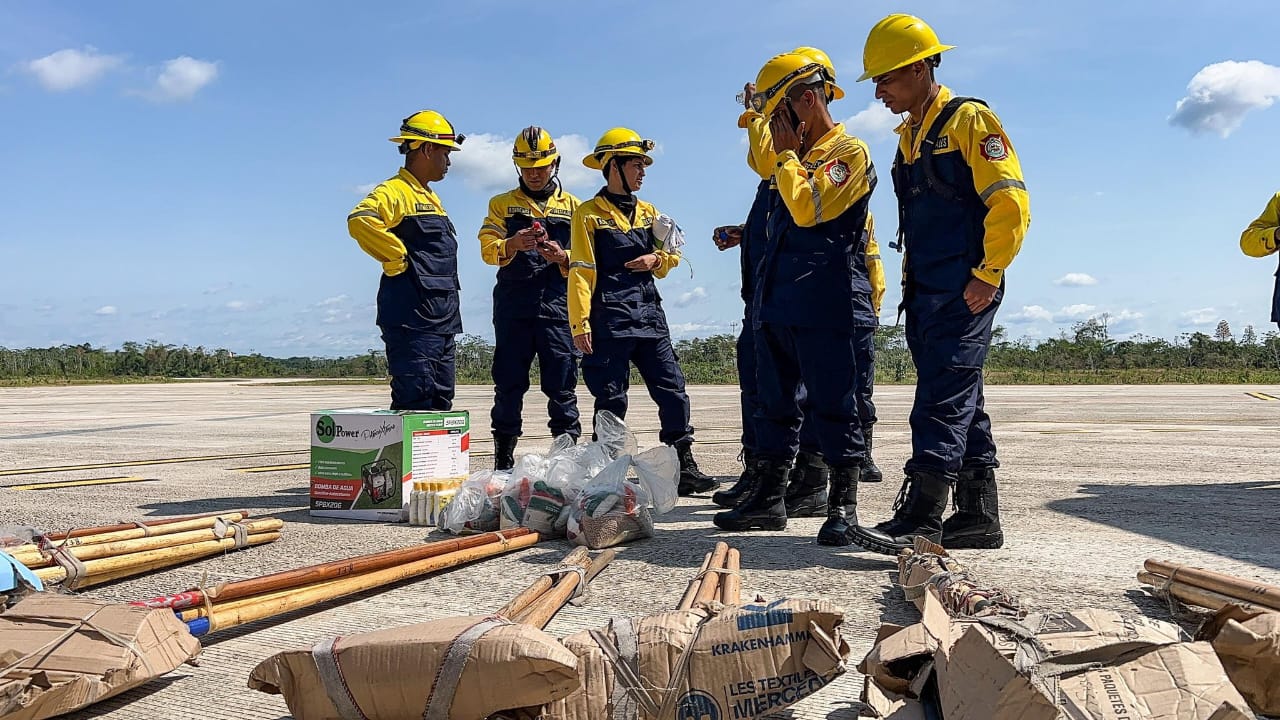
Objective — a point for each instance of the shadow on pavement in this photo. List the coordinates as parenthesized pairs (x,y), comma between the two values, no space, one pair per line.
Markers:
(1235,520)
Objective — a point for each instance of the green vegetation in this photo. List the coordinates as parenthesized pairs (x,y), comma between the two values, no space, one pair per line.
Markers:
(1085,356)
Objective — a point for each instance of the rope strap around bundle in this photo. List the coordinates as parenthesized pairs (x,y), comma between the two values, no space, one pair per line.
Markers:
(76,624)
(238,530)
(559,573)
(145,528)
(440,699)
(72,565)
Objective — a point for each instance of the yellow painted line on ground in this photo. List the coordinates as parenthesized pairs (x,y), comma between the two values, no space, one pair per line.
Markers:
(135,463)
(78,483)
(1261,396)
(1066,432)
(1178,430)
(272,468)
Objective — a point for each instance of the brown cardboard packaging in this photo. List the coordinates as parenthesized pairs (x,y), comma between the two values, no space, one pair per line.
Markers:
(59,653)
(1247,641)
(727,663)
(395,673)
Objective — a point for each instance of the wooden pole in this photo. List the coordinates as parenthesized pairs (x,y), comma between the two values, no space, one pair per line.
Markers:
(1192,595)
(578,557)
(101,529)
(135,533)
(35,558)
(539,614)
(114,568)
(239,612)
(695,584)
(333,570)
(731,584)
(710,589)
(1251,591)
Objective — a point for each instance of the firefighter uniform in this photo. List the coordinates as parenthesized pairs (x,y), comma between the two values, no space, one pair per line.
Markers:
(530,312)
(1262,238)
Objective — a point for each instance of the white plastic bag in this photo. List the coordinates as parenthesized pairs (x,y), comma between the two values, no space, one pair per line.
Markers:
(668,234)
(612,433)
(611,510)
(475,508)
(532,499)
(658,470)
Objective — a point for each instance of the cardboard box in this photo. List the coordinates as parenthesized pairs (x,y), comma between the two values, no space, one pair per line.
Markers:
(364,460)
(71,652)
(1247,640)
(394,673)
(723,663)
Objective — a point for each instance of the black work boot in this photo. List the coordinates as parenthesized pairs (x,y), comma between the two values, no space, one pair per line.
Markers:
(731,497)
(917,511)
(763,507)
(504,451)
(807,486)
(842,506)
(692,480)
(870,471)
(976,522)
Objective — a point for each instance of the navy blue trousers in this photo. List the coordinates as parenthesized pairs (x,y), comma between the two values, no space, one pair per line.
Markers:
(422,370)
(825,362)
(516,344)
(864,350)
(750,395)
(950,428)
(607,375)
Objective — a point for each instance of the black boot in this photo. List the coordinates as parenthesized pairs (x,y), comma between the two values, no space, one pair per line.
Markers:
(692,480)
(731,497)
(504,451)
(842,506)
(976,522)
(807,486)
(870,471)
(918,511)
(763,507)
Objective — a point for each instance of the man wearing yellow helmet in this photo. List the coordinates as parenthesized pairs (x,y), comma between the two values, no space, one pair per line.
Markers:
(1261,239)
(964,211)
(526,234)
(619,245)
(403,225)
(811,292)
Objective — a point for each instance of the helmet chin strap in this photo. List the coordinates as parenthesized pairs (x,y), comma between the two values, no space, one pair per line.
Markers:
(617,161)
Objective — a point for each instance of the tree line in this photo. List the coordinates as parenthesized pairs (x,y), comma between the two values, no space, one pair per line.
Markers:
(1086,353)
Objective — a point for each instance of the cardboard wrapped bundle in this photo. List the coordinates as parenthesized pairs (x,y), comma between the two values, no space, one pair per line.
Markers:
(1247,641)
(708,662)
(59,653)
(455,669)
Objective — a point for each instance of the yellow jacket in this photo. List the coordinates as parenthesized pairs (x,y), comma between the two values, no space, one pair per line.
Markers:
(975,132)
(597,220)
(875,267)
(494,231)
(1262,237)
(374,218)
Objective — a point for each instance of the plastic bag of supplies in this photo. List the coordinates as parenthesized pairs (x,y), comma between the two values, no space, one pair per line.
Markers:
(475,508)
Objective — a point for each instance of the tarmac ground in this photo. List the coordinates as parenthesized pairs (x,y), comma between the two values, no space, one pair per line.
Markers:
(1094,480)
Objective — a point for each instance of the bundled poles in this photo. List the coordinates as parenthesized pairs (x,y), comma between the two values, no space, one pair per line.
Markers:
(719,579)
(82,559)
(1207,589)
(153,525)
(572,580)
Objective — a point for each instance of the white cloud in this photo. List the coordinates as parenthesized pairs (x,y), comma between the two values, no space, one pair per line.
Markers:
(215,289)
(694,328)
(877,121)
(1076,280)
(182,77)
(237,305)
(1220,95)
(690,297)
(1030,314)
(70,68)
(335,300)
(105,310)
(1079,311)
(1203,316)
(485,163)
(366,188)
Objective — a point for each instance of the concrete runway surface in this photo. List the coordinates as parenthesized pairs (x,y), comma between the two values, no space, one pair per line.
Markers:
(1094,480)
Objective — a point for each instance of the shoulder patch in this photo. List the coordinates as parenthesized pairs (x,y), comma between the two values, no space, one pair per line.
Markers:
(993,147)
(943,143)
(837,172)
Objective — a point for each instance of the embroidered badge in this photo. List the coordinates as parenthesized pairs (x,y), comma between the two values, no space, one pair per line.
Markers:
(993,148)
(838,172)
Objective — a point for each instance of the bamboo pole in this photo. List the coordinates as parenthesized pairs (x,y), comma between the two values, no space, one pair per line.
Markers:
(135,533)
(333,570)
(578,557)
(695,584)
(37,559)
(114,568)
(731,584)
(239,612)
(1251,591)
(1192,595)
(101,529)
(539,614)
(710,589)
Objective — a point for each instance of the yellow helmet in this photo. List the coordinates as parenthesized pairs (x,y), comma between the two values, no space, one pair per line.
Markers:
(534,148)
(779,74)
(825,61)
(618,141)
(897,41)
(427,126)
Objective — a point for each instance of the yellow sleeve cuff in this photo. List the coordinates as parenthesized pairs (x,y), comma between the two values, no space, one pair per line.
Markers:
(581,328)
(990,276)
(744,120)
(395,267)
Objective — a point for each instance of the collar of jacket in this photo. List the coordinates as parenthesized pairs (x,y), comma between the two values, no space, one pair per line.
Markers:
(904,129)
(819,149)
(416,186)
(644,213)
(557,199)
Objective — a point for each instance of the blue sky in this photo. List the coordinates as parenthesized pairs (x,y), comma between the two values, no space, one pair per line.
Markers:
(183,172)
